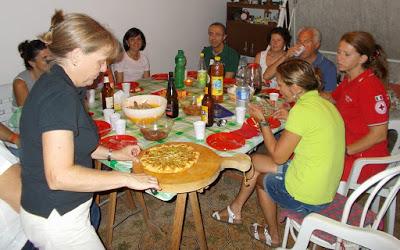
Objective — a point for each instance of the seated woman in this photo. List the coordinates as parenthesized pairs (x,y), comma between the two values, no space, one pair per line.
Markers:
(362,100)
(308,182)
(36,59)
(134,64)
(269,59)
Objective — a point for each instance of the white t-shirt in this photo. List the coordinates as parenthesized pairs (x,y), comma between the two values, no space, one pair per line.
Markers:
(11,233)
(133,70)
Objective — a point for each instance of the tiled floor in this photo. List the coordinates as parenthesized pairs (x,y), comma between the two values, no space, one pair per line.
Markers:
(133,234)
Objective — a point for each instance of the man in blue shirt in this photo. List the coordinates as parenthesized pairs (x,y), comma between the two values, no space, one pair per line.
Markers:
(310,38)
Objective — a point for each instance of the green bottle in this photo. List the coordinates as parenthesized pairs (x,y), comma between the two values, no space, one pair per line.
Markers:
(180,63)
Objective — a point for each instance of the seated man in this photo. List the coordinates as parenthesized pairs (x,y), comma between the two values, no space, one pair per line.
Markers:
(310,38)
(229,56)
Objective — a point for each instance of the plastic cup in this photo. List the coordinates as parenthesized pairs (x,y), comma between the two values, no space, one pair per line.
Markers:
(120,126)
(273,97)
(199,129)
(126,87)
(240,114)
(107,114)
(114,118)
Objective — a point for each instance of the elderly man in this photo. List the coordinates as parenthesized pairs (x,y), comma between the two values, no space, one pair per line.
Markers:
(229,56)
(310,39)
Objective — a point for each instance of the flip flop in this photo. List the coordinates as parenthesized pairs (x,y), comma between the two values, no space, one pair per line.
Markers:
(254,232)
(231,219)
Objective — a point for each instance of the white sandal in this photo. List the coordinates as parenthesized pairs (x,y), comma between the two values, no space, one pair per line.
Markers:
(254,233)
(231,217)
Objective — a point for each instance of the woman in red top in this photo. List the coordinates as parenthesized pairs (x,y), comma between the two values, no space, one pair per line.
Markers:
(362,100)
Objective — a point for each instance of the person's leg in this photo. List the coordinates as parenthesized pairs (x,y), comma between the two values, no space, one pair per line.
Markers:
(95,215)
(268,207)
(261,164)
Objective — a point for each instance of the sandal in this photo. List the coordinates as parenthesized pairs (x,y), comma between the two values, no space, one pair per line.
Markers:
(231,219)
(266,237)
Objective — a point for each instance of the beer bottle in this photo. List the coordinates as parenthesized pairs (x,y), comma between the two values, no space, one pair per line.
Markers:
(172,110)
(207,106)
(107,94)
(217,80)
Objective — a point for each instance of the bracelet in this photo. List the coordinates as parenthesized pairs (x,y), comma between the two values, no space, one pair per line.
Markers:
(13,138)
(263,124)
(109,154)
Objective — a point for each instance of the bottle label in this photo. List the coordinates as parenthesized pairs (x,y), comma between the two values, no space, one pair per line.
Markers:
(217,85)
(204,114)
(168,110)
(109,102)
(202,77)
(242,94)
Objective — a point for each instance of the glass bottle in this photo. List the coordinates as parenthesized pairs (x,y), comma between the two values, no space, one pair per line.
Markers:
(180,64)
(202,72)
(207,106)
(172,109)
(107,94)
(217,80)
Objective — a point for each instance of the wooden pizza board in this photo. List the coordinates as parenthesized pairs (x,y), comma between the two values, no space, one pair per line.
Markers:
(201,174)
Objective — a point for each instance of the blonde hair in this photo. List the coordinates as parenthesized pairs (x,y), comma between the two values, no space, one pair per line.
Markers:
(299,72)
(71,31)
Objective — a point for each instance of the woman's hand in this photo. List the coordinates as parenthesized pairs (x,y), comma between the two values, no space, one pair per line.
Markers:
(128,153)
(142,181)
(256,112)
(281,114)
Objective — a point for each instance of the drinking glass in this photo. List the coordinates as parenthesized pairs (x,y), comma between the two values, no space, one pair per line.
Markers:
(252,76)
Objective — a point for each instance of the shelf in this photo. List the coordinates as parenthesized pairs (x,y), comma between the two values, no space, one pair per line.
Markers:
(240,22)
(253,6)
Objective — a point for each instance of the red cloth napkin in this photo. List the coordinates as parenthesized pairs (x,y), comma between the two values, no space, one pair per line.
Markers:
(248,130)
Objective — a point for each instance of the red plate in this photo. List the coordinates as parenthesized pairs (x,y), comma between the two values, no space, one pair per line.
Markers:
(116,142)
(103,127)
(225,141)
(161,92)
(192,74)
(160,76)
(229,81)
(134,87)
(267,91)
(273,122)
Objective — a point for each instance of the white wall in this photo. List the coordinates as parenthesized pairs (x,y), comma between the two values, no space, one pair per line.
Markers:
(168,26)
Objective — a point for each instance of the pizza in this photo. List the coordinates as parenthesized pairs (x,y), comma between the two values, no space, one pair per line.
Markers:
(169,158)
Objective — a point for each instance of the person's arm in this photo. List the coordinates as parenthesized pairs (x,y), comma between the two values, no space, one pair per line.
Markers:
(146,74)
(280,150)
(62,174)
(20,92)
(7,135)
(10,186)
(229,74)
(270,72)
(119,76)
(257,58)
(375,135)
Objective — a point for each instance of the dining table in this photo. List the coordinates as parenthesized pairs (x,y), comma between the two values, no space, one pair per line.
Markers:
(182,131)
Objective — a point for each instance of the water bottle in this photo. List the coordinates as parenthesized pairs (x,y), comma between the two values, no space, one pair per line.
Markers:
(180,63)
(242,93)
(202,72)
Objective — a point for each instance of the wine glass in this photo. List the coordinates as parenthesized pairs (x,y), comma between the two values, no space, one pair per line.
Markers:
(252,76)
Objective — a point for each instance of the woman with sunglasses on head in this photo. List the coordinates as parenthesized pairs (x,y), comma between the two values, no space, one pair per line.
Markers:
(134,64)
(59,140)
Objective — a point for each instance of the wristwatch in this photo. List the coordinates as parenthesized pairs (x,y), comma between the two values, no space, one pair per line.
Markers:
(263,124)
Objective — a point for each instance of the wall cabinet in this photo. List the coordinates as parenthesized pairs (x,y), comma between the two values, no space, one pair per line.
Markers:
(250,36)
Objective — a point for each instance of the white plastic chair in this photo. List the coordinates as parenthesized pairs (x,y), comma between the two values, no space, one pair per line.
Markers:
(353,211)
(372,239)
(344,187)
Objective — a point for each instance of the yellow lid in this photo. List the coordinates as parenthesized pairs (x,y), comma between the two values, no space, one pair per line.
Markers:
(201,54)
(217,58)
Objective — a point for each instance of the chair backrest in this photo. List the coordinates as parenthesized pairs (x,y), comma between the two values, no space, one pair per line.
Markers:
(395,125)
(372,239)
(371,187)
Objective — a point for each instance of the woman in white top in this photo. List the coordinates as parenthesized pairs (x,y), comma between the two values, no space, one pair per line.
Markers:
(134,64)
(278,44)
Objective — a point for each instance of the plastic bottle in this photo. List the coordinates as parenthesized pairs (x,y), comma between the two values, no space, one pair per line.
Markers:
(207,106)
(242,93)
(202,72)
(172,109)
(217,80)
(107,94)
(180,63)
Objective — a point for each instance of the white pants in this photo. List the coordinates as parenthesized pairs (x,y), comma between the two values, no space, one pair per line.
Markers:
(69,231)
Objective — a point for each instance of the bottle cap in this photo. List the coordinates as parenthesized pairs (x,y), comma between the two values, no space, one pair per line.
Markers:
(106,79)
(217,58)
(201,54)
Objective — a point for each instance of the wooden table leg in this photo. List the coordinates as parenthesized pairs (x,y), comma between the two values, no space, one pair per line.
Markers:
(198,221)
(140,198)
(178,221)
(112,204)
